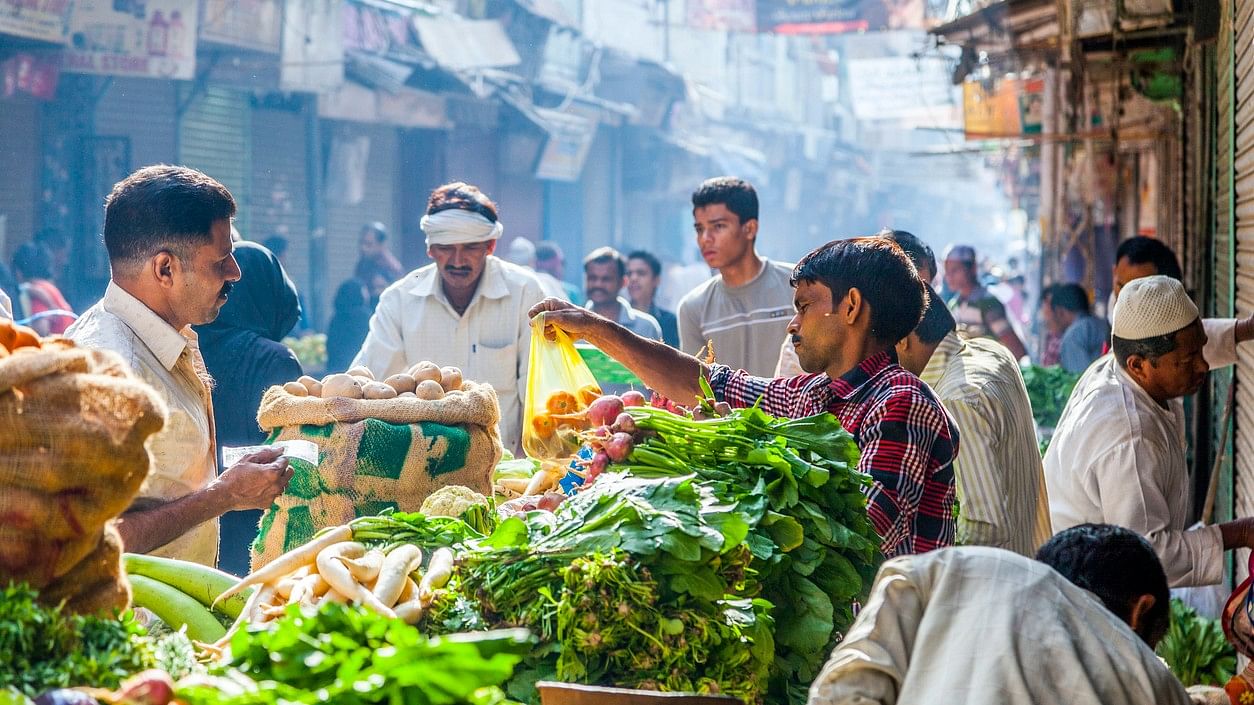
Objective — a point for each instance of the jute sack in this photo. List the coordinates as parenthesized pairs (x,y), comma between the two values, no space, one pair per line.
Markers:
(373,455)
(73,423)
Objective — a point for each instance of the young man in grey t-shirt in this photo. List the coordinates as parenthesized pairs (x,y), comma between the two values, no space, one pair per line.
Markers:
(743,310)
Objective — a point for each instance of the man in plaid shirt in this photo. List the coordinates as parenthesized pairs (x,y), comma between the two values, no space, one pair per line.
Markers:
(855,299)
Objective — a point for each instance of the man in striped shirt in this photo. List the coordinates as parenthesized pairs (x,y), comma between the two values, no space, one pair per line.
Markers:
(1000,480)
(854,300)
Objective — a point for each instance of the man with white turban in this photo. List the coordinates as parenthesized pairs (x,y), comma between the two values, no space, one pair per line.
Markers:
(1118,453)
(468,309)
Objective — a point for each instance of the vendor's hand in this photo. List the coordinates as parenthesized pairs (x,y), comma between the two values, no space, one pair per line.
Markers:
(255,480)
(576,321)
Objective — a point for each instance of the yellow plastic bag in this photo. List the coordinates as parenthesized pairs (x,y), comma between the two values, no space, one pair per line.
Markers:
(559,387)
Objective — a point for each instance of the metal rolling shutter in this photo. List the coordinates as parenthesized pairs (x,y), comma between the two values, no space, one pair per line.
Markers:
(19,184)
(279,199)
(1242,220)
(215,136)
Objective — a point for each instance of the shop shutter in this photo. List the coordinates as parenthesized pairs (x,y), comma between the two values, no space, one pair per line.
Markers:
(1242,219)
(19,184)
(279,197)
(215,137)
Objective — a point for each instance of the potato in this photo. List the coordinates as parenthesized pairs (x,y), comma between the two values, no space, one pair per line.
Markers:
(313,386)
(425,370)
(361,371)
(401,383)
(296,389)
(341,385)
(429,389)
(406,395)
(377,390)
(451,379)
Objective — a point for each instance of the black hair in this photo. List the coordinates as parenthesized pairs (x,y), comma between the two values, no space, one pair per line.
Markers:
(1112,562)
(1068,297)
(463,196)
(937,321)
(547,250)
(737,194)
(379,229)
(276,244)
(1149,348)
(32,261)
(52,238)
(606,255)
(650,259)
(877,268)
(163,207)
(1148,250)
(918,251)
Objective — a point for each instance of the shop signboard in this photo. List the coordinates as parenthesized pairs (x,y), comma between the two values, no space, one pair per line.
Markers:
(1013,108)
(312,59)
(723,15)
(45,20)
(838,16)
(566,149)
(30,74)
(139,38)
(903,88)
(247,24)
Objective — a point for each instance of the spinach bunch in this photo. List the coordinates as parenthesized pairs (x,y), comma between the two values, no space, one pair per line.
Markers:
(1195,648)
(1049,388)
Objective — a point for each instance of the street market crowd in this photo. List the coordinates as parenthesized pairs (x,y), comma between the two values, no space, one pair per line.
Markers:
(1010,577)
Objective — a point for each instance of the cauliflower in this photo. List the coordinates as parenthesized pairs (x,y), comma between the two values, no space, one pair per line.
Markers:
(452,501)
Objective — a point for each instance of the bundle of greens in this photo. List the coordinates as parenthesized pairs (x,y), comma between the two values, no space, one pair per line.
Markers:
(1049,388)
(814,548)
(43,648)
(636,582)
(338,654)
(1195,648)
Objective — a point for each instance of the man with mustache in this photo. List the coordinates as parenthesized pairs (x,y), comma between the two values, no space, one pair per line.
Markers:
(604,275)
(1118,454)
(167,230)
(467,309)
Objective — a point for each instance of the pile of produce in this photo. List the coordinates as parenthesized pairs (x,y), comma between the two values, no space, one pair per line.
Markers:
(183,594)
(425,380)
(1195,649)
(1049,388)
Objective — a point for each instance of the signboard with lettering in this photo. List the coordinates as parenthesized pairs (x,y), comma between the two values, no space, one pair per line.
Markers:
(248,24)
(1012,109)
(141,38)
(46,20)
(837,16)
(722,15)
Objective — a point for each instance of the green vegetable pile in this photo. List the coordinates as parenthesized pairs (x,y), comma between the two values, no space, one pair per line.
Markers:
(356,657)
(814,548)
(1049,388)
(43,648)
(1195,648)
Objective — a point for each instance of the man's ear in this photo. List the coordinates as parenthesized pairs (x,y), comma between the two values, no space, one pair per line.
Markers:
(491,246)
(904,345)
(1137,367)
(163,265)
(751,228)
(851,307)
(1139,616)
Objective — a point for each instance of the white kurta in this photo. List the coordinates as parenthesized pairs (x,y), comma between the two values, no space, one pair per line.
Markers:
(984,626)
(490,342)
(1117,457)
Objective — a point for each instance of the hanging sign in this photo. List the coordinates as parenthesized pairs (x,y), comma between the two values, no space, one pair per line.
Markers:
(140,38)
(46,20)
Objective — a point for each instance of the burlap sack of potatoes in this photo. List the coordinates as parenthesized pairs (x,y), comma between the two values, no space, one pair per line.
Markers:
(73,423)
(374,455)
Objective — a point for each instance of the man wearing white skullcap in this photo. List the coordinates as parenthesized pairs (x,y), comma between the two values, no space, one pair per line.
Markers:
(468,309)
(1118,453)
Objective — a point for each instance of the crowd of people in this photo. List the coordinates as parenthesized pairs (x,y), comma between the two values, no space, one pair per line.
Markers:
(991,548)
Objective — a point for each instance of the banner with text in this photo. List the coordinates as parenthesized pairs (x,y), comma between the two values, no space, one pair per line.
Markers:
(838,16)
(46,20)
(140,38)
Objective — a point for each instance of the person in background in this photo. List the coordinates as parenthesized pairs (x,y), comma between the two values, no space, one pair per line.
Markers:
(522,252)
(1084,336)
(743,311)
(277,244)
(243,352)
(982,626)
(349,325)
(605,273)
(1000,481)
(467,309)
(372,248)
(551,260)
(1118,453)
(979,313)
(644,275)
(167,230)
(57,245)
(854,300)
(1051,339)
(48,311)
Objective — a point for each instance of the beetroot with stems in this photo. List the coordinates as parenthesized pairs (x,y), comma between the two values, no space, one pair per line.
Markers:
(633,398)
(625,423)
(619,446)
(605,409)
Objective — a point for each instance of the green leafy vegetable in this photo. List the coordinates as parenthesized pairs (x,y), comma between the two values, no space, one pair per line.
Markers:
(1049,388)
(1195,648)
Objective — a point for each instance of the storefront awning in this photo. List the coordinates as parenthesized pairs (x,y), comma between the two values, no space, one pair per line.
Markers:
(459,44)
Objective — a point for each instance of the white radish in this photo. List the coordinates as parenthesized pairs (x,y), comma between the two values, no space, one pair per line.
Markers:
(290,561)
(261,595)
(402,561)
(410,611)
(409,591)
(366,569)
(332,568)
(439,570)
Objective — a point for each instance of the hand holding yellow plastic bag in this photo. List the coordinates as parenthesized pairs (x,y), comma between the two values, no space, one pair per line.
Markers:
(559,387)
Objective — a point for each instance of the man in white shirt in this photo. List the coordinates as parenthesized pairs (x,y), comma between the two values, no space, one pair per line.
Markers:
(1118,453)
(168,234)
(468,309)
(982,626)
(604,275)
(1000,483)
(744,309)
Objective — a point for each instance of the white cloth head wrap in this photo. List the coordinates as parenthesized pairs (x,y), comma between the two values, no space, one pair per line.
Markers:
(1152,306)
(459,227)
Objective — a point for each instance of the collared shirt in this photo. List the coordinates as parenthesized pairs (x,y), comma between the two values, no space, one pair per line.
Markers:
(982,626)
(907,441)
(1117,457)
(6,305)
(980,315)
(744,322)
(490,342)
(184,459)
(1082,343)
(634,320)
(669,324)
(1002,500)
